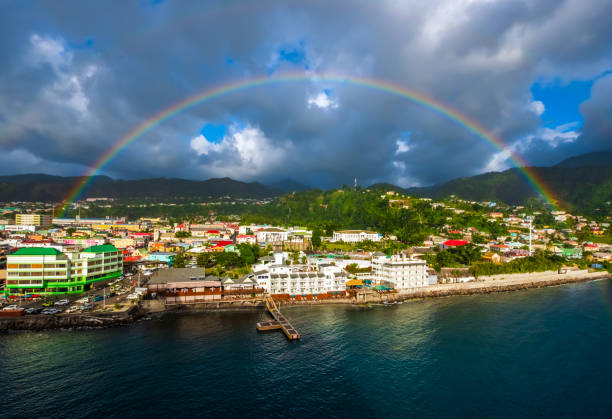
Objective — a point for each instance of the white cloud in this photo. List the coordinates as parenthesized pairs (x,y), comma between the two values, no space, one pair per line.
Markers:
(68,89)
(551,136)
(498,162)
(401,179)
(244,152)
(402,146)
(537,107)
(322,101)
(559,135)
(202,146)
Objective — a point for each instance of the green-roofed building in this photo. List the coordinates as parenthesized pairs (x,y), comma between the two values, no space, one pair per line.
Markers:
(46,270)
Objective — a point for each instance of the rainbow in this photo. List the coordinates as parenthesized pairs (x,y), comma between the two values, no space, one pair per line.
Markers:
(382,86)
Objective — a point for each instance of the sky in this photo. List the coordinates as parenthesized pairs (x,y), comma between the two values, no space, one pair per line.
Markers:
(75,77)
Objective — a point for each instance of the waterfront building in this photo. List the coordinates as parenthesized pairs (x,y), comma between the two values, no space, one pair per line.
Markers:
(46,270)
(37,220)
(356,236)
(399,271)
(303,280)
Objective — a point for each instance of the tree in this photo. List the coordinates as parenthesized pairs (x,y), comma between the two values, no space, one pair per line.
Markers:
(316,238)
(204,260)
(182,234)
(179,260)
(246,253)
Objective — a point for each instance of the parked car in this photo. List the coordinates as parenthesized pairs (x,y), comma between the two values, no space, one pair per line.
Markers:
(133,296)
(11,307)
(47,304)
(98,298)
(63,302)
(88,306)
(73,309)
(112,294)
(33,310)
(48,311)
(82,300)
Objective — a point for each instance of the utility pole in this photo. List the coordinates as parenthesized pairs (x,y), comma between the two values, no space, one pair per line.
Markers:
(355,183)
(530,230)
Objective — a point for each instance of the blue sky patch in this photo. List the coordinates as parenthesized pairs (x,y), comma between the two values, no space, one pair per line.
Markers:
(562,101)
(293,54)
(214,133)
(87,44)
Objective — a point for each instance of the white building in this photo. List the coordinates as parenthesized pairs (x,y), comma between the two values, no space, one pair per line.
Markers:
(399,271)
(301,279)
(271,235)
(246,238)
(355,236)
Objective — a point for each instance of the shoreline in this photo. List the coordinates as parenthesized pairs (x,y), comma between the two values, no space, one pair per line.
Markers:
(90,321)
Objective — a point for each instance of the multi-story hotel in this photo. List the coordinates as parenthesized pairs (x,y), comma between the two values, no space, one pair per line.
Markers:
(356,236)
(49,271)
(38,220)
(301,280)
(399,271)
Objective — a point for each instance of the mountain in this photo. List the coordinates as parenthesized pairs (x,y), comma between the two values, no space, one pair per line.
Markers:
(288,185)
(46,188)
(386,187)
(598,158)
(587,189)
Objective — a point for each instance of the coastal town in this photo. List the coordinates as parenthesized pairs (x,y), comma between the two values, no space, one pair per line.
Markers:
(63,266)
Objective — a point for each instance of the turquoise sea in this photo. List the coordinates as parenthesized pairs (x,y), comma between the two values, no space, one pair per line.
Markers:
(535,353)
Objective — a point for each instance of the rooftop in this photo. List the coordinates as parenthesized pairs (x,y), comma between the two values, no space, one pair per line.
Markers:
(37,251)
(103,248)
(164,276)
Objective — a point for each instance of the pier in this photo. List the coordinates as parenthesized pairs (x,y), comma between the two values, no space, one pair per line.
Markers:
(279,322)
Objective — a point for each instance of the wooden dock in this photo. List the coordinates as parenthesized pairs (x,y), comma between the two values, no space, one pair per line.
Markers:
(279,322)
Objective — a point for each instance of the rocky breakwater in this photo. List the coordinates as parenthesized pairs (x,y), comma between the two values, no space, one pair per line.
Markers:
(68,321)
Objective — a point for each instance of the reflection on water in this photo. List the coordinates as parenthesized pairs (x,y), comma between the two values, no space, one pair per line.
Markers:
(524,353)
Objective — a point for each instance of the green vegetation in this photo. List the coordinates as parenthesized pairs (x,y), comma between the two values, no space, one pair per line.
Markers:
(456,257)
(541,261)
(326,211)
(353,268)
(179,260)
(231,263)
(585,190)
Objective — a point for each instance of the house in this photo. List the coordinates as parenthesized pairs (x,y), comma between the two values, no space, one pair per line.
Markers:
(450,244)
(246,238)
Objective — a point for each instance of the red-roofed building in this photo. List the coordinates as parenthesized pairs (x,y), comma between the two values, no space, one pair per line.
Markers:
(500,247)
(449,244)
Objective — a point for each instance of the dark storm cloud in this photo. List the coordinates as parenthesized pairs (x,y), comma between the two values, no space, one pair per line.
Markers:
(80,76)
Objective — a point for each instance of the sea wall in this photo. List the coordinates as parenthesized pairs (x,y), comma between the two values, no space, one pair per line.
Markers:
(68,321)
(546,275)
(157,306)
(503,284)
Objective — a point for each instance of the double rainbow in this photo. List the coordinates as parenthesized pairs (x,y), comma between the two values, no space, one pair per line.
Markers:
(379,85)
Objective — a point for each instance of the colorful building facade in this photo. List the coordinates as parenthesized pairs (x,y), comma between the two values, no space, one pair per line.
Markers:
(49,271)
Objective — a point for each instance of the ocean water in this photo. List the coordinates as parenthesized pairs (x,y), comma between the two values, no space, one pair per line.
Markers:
(535,353)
